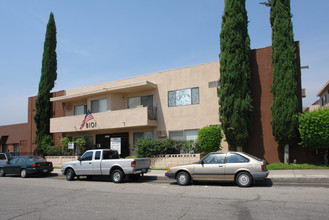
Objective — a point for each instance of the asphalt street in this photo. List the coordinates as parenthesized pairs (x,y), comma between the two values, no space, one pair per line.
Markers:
(55,198)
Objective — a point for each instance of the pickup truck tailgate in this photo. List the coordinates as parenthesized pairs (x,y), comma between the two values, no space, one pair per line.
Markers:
(142,163)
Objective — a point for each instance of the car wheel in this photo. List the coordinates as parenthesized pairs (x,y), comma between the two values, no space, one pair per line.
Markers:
(183,178)
(2,172)
(70,174)
(243,179)
(23,173)
(117,176)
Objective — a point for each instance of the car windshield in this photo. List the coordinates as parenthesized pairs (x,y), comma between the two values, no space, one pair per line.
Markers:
(36,159)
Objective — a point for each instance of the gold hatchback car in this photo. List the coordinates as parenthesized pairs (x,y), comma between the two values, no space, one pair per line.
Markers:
(241,168)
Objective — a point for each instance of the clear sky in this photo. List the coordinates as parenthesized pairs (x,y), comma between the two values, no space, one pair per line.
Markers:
(106,40)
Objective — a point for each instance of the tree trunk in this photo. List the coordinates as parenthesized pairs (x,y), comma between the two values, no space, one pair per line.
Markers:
(286,154)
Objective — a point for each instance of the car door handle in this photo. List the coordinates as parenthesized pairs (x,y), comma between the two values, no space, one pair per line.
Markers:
(90,163)
(220,166)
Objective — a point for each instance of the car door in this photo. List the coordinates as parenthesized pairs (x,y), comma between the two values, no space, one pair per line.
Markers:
(234,163)
(96,163)
(212,167)
(10,168)
(84,167)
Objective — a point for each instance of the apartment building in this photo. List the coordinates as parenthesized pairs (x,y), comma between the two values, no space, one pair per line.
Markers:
(174,103)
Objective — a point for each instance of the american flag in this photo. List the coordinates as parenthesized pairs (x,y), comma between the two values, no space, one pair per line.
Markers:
(87,118)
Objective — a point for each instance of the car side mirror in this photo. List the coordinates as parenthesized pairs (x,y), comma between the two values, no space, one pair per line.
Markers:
(79,159)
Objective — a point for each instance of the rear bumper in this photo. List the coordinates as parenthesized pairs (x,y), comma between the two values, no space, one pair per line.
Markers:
(260,175)
(38,171)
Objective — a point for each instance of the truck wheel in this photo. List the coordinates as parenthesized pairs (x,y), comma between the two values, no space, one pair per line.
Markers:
(183,178)
(2,172)
(70,174)
(23,173)
(243,179)
(117,176)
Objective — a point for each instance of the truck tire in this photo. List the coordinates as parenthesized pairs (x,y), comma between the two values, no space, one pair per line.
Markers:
(2,172)
(243,179)
(117,176)
(183,178)
(70,174)
(23,173)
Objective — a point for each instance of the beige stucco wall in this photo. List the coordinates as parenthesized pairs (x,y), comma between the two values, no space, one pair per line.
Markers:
(168,118)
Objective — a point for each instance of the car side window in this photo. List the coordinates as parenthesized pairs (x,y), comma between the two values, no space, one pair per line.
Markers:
(98,155)
(87,156)
(14,161)
(214,159)
(236,158)
(21,160)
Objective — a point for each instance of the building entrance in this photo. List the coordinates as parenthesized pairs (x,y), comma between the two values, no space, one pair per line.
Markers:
(104,141)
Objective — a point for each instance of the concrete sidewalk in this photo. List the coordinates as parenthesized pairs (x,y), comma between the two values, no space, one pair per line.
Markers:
(276,176)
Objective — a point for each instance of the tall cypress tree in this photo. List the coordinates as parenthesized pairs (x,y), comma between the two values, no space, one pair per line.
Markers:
(284,88)
(234,91)
(47,82)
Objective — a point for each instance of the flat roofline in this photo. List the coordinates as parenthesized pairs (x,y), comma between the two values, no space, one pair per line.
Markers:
(134,87)
(324,88)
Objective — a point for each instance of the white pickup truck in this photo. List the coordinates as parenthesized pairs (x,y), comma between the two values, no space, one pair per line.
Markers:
(105,162)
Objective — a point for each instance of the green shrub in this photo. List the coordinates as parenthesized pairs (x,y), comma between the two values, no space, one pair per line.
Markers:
(149,147)
(209,138)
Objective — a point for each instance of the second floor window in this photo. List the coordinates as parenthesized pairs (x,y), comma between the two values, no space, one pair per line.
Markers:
(183,97)
(98,105)
(80,109)
(140,101)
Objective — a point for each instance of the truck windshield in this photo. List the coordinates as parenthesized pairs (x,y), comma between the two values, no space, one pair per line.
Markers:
(110,155)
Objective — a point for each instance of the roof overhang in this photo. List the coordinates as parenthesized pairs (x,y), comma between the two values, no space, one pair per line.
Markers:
(124,89)
(324,89)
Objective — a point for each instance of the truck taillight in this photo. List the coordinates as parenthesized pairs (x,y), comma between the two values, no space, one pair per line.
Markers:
(133,163)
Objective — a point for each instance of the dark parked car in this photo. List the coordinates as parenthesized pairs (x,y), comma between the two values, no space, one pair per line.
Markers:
(25,166)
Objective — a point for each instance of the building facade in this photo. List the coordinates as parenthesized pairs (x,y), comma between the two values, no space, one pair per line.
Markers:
(174,103)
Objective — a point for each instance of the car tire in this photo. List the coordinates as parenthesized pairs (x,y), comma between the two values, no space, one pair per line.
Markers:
(243,179)
(23,173)
(117,176)
(183,178)
(70,174)
(2,172)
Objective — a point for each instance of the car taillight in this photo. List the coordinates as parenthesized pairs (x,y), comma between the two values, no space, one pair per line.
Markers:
(51,164)
(133,163)
(35,165)
(263,168)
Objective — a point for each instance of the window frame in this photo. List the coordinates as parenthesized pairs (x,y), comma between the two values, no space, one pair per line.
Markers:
(194,100)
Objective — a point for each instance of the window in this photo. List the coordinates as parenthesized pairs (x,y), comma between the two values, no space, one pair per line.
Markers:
(213,84)
(139,135)
(110,155)
(187,135)
(80,109)
(144,101)
(99,105)
(235,158)
(98,155)
(87,156)
(214,158)
(183,97)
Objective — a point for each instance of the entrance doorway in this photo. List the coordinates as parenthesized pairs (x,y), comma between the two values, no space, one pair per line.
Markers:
(104,141)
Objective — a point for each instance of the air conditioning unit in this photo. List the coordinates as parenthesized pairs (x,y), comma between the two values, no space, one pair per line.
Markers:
(162,134)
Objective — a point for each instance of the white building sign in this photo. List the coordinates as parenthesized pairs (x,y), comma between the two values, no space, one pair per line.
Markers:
(116,144)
